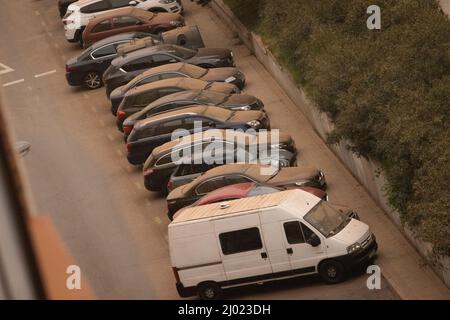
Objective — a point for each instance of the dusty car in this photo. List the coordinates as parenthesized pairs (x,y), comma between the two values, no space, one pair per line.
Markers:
(245,190)
(143,95)
(124,68)
(129,20)
(228,146)
(239,173)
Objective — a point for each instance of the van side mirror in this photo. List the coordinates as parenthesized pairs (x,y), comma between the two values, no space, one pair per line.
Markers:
(314,240)
(132,3)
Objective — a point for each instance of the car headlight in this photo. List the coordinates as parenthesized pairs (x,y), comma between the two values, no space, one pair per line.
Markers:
(175,23)
(166,1)
(244,108)
(254,123)
(353,248)
(300,183)
(230,79)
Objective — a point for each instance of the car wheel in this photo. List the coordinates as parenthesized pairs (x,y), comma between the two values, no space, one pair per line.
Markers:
(332,271)
(209,291)
(92,80)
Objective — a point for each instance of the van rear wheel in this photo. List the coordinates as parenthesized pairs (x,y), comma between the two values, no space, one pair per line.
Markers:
(332,271)
(209,291)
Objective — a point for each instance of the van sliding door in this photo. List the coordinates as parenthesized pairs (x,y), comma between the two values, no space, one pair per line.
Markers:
(242,249)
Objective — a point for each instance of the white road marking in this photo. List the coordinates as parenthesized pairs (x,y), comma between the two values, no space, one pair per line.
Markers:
(102,123)
(5,68)
(110,137)
(13,82)
(157,220)
(86,96)
(43,23)
(50,34)
(56,45)
(44,74)
(94,109)
(37,13)
(119,152)
(138,185)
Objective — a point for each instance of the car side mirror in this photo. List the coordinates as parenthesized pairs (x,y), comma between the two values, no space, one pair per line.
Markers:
(132,3)
(314,240)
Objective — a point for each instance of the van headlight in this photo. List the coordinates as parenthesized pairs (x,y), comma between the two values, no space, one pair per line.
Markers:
(175,23)
(254,123)
(244,108)
(354,248)
(230,79)
(166,1)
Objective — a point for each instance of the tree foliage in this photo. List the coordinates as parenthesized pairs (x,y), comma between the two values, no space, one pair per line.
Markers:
(387,91)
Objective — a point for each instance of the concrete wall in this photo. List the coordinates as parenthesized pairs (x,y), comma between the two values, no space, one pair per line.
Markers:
(364,170)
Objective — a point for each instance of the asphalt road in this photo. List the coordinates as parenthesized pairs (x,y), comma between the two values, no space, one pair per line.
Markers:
(116,230)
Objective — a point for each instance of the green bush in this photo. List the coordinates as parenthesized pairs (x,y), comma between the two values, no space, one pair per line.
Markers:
(387,91)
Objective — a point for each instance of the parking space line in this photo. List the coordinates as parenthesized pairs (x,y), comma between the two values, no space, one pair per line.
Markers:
(5,69)
(43,23)
(44,74)
(13,82)
(37,13)
(94,109)
(102,123)
(138,185)
(157,220)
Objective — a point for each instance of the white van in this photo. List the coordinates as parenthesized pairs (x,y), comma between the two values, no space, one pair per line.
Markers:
(79,13)
(264,238)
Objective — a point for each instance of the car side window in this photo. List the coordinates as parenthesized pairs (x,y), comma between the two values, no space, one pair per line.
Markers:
(96,7)
(102,26)
(188,169)
(145,98)
(161,59)
(125,21)
(104,51)
(307,232)
(170,126)
(148,80)
(164,160)
(159,109)
(119,3)
(146,132)
(293,231)
(209,185)
(191,122)
(229,180)
(138,64)
(170,75)
(166,91)
(240,241)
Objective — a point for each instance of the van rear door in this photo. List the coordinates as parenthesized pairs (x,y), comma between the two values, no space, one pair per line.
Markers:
(242,248)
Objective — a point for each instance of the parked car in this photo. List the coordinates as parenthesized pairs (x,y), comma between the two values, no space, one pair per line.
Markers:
(124,68)
(87,68)
(245,190)
(184,70)
(239,173)
(143,95)
(235,102)
(265,238)
(63,5)
(228,147)
(129,20)
(152,132)
(80,13)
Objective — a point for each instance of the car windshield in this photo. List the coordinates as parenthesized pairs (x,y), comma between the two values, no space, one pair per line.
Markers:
(193,71)
(211,97)
(327,219)
(183,53)
(220,114)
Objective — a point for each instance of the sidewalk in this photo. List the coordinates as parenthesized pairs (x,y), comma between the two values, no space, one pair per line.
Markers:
(400,263)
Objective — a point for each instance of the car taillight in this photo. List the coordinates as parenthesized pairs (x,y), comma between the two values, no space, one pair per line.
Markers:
(170,185)
(175,273)
(121,114)
(129,147)
(127,129)
(148,172)
(69,68)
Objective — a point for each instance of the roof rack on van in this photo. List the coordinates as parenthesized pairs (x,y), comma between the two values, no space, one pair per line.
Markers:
(134,45)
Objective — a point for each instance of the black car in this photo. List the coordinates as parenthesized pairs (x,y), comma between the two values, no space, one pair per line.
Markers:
(235,102)
(233,147)
(124,68)
(141,96)
(152,132)
(63,5)
(87,68)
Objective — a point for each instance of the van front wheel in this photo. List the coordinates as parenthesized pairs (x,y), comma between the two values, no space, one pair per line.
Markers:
(209,291)
(332,271)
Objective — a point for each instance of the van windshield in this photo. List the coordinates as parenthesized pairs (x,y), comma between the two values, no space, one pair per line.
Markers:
(327,219)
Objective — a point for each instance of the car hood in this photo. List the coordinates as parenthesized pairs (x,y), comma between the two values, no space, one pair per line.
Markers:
(293,174)
(220,74)
(355,231)
(212,53)
(227,88)
(245,116)
(240,100)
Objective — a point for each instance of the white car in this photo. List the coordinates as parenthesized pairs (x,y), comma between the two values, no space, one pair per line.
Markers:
(79,13)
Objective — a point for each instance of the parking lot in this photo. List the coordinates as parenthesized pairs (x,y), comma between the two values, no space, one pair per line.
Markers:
(79,174)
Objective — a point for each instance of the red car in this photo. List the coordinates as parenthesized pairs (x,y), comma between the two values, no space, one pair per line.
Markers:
(247,189)
(129,20)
